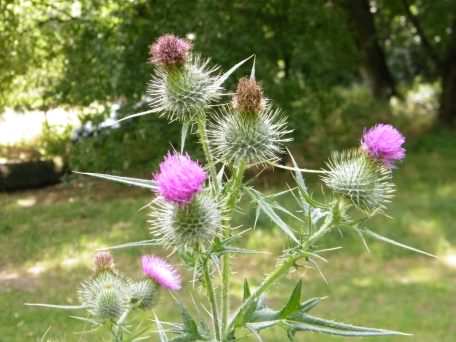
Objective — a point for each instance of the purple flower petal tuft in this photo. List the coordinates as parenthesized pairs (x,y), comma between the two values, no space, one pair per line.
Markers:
(179,178)
(170,50)
(161,272)
(384,142)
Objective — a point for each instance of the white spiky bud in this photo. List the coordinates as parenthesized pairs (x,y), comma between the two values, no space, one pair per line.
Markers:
(255,139)
(192,224)
(184,92)
(364,181)
(106,297)
(144,293)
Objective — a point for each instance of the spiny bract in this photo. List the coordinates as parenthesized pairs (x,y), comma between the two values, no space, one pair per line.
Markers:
(144,293)
(106,296)
(191,225)
(185,92)
(256,140)
(364,181)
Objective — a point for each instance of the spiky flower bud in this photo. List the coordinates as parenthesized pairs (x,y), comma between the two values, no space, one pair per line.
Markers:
(106,297)
(182,86)
(384,143)
(169,50)
(180,178)
(248,98)
(161,272)
(144,293)
(104,262)
(363,180)
(186,226)
(257,139)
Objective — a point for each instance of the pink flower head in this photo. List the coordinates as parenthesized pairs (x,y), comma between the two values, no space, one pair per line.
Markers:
(169,50)
(384,142)
(179,178)
(161,272)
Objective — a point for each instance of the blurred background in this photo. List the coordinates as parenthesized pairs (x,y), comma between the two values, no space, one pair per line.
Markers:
(68,69)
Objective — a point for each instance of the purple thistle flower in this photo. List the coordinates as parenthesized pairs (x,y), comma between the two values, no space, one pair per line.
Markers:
(169,50)
(384,142)
(179,178)
(161,272)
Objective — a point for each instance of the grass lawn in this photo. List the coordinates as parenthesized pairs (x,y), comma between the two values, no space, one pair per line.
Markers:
(48,237)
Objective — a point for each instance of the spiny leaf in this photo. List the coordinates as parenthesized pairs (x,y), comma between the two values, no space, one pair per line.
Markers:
(294,303)
(392,242)
(269,211)
(142,183)
(184,131)
(161,330)
(247,292)
(309,304)
(53,306)
(228,73)
(257,326)
(341,328)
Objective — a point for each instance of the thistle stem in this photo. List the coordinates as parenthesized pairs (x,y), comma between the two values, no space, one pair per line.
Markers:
(231,204)
(201,123)
(280,271)
(211,295)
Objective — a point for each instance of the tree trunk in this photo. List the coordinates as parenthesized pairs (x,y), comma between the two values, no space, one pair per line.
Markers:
(447,110)
(374,66)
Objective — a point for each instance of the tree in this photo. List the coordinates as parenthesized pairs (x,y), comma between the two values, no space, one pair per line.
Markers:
(373,60)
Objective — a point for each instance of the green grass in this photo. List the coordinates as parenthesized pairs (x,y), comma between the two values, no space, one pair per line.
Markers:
(48,237)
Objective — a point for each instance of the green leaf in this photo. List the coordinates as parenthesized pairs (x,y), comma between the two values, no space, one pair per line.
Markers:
(131,116)
(247,292)
(298,176)
(53,306)
(269,211)
(142,183)
(160,330)
(310,304)
(392,242)
(257,326)
(143,243)
(338,329)
(294,303)
(184,132)
(227,74)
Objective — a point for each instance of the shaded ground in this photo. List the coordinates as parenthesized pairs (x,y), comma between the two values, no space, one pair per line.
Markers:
(48,237)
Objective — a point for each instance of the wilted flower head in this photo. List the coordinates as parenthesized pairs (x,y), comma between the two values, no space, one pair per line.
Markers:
(179,178)
(169,50)
(103,261)
(161,272)
(384,142)
(248,97)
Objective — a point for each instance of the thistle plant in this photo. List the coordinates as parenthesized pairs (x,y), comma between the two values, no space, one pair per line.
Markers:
(194,202)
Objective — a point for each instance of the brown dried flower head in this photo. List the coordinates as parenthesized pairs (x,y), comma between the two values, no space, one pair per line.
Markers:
(248,97)
(103,262)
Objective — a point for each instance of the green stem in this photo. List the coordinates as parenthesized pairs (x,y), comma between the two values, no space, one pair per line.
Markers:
(226,272)
(211,295)
(201,123)
(280,271)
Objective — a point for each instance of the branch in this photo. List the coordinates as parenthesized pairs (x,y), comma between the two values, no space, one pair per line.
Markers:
(429,49)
